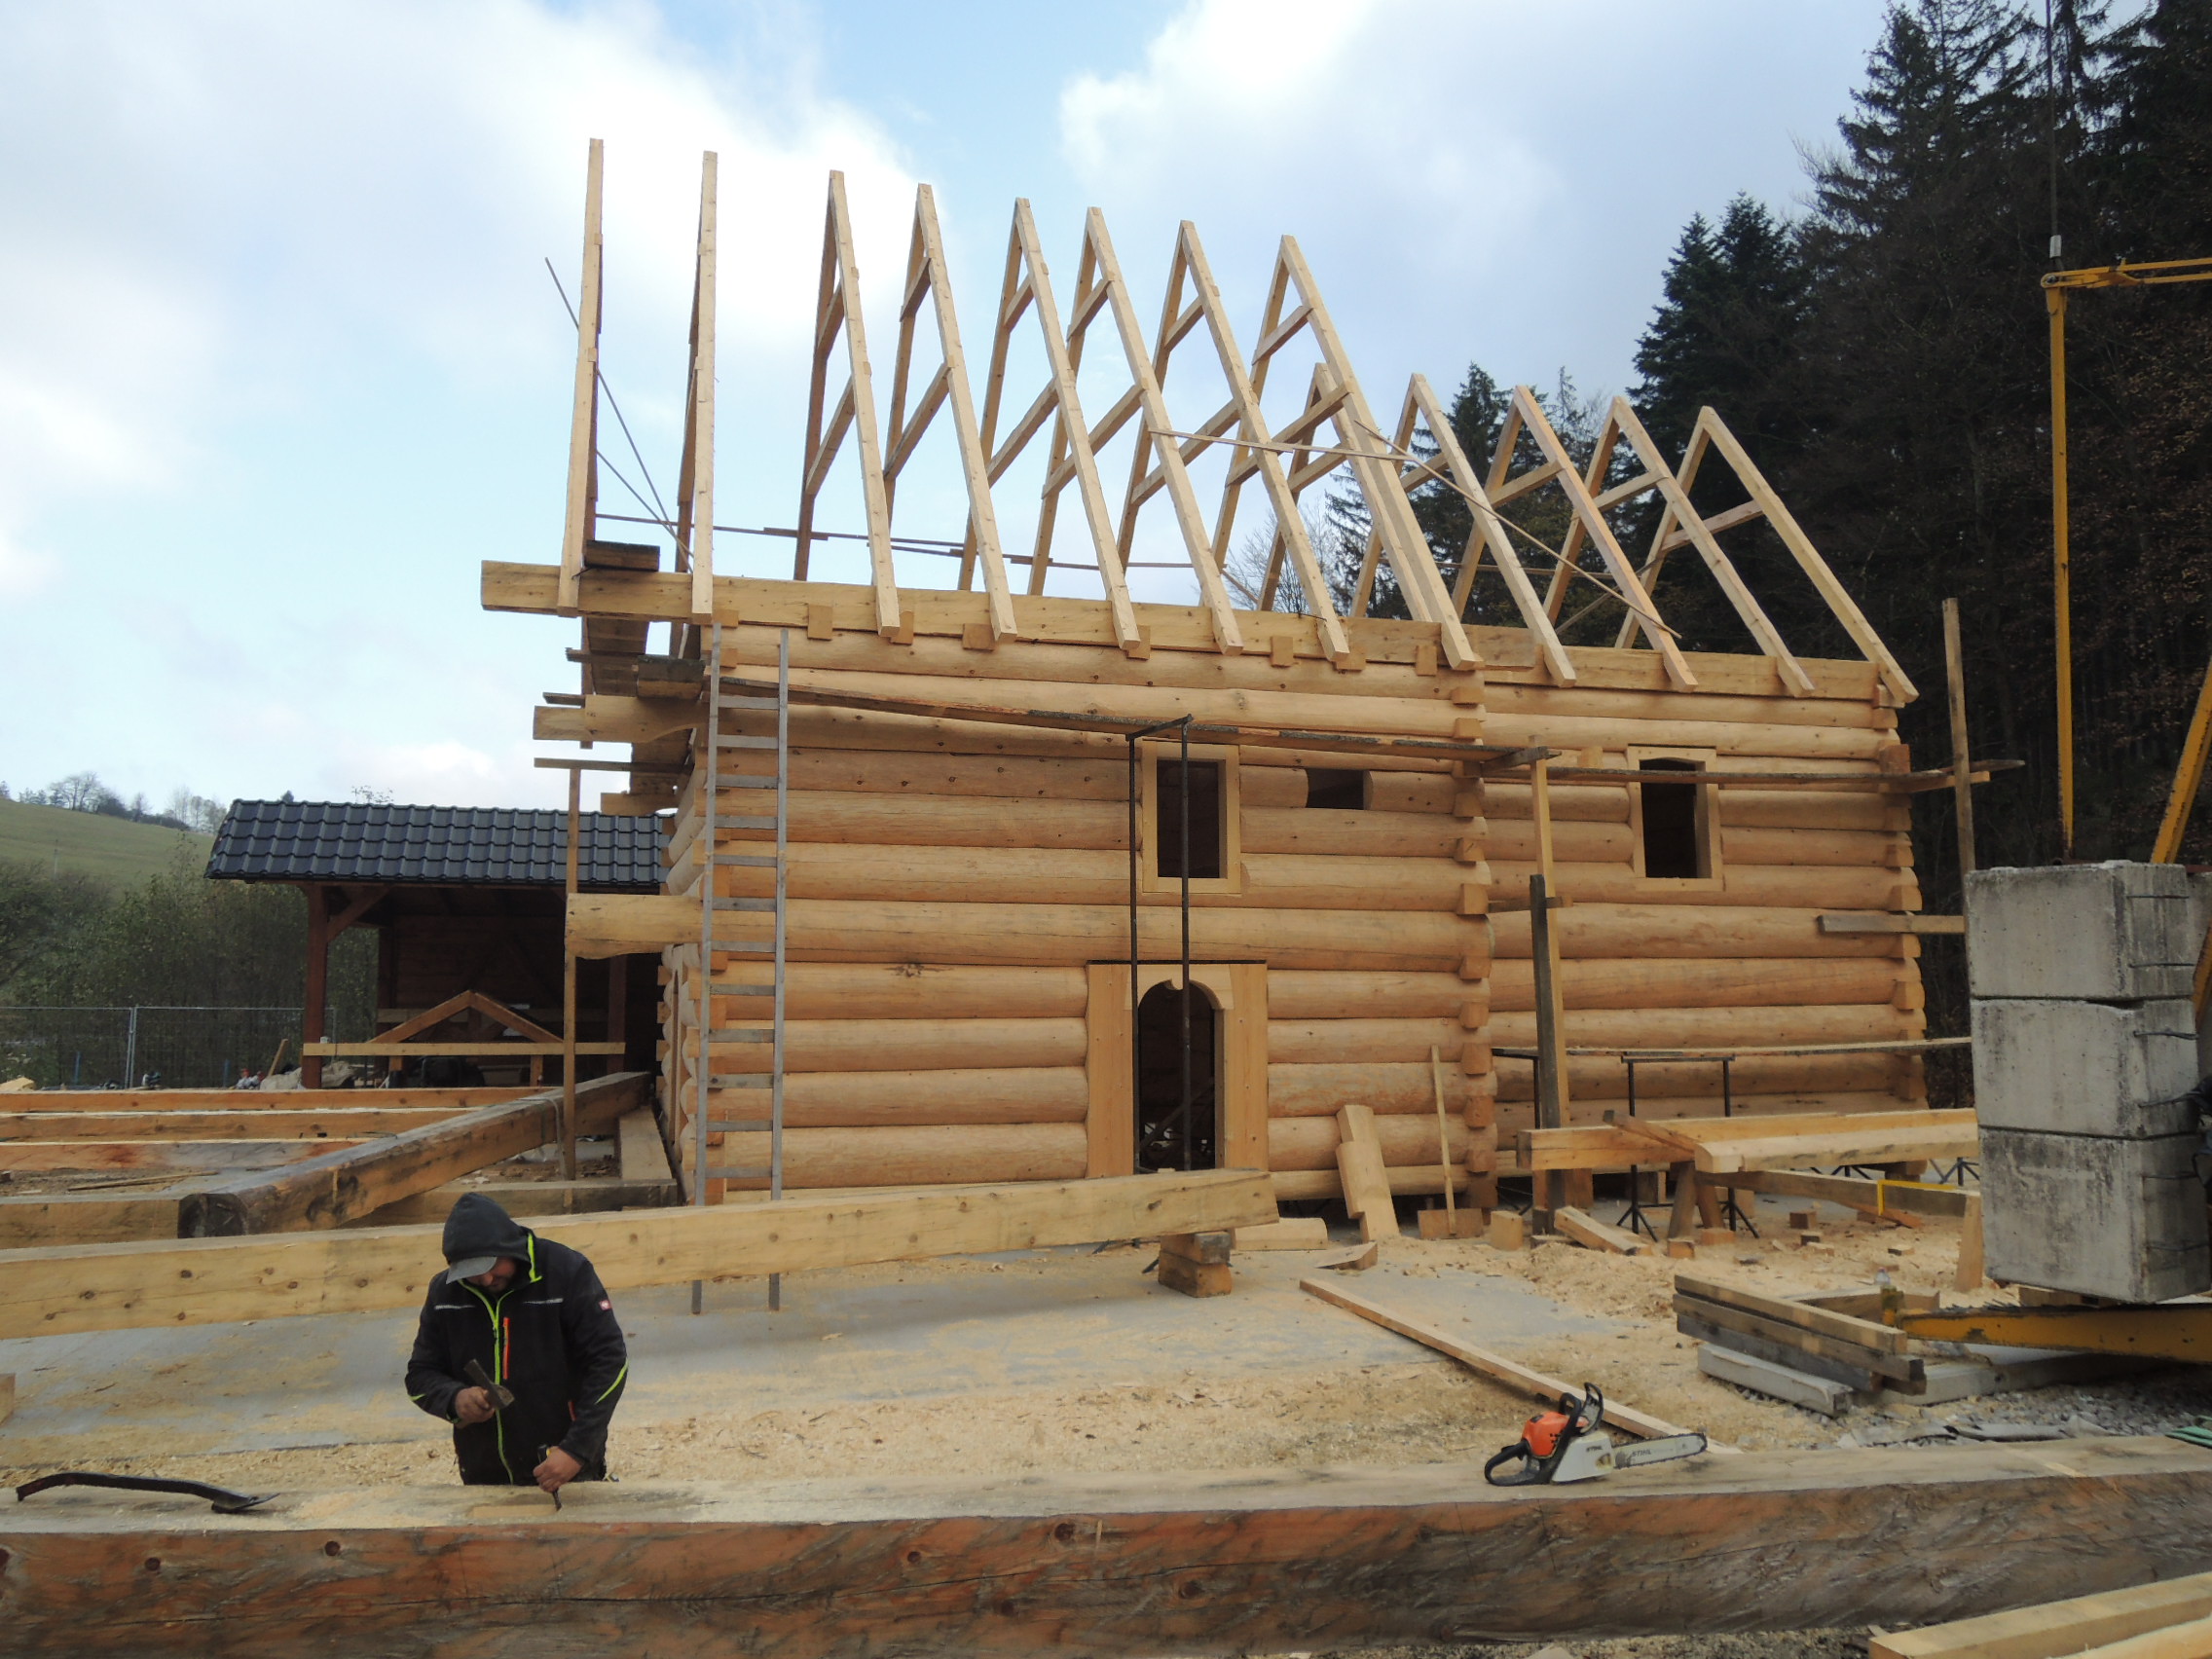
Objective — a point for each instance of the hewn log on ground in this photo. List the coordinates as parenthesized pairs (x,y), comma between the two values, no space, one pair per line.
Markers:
(339,1187)
(210,1282)
(1132,1565)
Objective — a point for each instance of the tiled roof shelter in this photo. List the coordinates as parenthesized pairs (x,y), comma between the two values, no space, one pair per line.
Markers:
(347,841)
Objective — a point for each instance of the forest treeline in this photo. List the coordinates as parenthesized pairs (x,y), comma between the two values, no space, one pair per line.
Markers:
(1883,356)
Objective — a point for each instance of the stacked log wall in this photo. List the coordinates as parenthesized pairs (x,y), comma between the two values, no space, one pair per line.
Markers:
(949,882)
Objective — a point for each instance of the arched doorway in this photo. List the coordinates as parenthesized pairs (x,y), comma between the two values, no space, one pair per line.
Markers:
(1166,1138)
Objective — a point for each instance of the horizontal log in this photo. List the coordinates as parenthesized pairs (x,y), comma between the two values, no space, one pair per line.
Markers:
(938,1154)
(182,1157)
(1305,994)
(1728,1146)
(71,1218)
(908,1044)
(1505,696)
(910,990)
(1406,1137)
(1595,1080)
(1325,1041)
(1646,931)
(1740,806)
(962,1565)
(1034,875)
(211,1282)
(337,1186)
(1321,1091)
(1071,935)
(1724,737)
(1340,833)
(1874,1197)
(868,1100)
(951,821)
(532,1198)
(1706,1027)
(1407,1181)
(1005,777)
(1816,887)
(1587,986)
(253,1099)
(353,1122)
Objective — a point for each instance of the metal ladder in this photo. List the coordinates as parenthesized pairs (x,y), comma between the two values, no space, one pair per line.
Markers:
(747,1028)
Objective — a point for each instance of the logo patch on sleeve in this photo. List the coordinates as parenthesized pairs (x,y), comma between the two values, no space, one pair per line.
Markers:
(604,1306)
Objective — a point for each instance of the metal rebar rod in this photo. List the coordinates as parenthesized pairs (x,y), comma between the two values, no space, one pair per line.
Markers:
(783,864)
(1185,999)
(704,775)
(1136,1037)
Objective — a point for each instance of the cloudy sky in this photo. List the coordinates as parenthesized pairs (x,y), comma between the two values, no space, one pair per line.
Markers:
(280,361)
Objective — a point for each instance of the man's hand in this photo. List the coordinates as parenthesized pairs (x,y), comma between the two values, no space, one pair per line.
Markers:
(473,1405)
(557,1471)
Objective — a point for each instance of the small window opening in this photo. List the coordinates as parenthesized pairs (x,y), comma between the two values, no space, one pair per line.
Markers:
(1341,791)
(1202,779)
(1672,848)
(1161,1139)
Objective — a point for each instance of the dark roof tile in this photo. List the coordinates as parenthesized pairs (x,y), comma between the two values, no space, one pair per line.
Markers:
(274,840)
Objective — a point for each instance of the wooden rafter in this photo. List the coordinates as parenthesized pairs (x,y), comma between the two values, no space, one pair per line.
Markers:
(1290,539)
(696,473)
(837,311)
(1100,272)
(1073,457)
(1524,413)
(928,280)
(1360,437)
(1488,531)
(1623,423)
(583,522)
(1712,436)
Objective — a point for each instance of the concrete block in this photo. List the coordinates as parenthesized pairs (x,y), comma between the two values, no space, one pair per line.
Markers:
(2116,931)
(2084,1068)
(2116,1218)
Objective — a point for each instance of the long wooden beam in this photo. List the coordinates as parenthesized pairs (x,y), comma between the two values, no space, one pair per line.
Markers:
(210,1282)
(339,1187)
(1201,1561)
(268,1123)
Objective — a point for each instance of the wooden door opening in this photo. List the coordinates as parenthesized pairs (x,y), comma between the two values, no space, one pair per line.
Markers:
(1166,1136)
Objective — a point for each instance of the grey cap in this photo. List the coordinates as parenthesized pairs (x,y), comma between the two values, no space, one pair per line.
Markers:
(478,1236)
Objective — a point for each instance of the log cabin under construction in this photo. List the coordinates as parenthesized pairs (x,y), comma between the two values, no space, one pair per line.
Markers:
(919,965)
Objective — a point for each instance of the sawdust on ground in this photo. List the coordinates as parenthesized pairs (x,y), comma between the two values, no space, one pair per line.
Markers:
(1418,1412)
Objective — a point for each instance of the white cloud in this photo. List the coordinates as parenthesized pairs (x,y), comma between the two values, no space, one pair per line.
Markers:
(1486,176)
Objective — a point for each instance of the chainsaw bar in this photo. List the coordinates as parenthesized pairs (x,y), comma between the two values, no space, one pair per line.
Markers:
(1594,1454)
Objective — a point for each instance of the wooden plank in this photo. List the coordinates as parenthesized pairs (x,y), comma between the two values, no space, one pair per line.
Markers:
(1904,1369)
(2051,1628)
(1872,922)
(342,1186)
(1052,1563)
(1361,1165)
(1588,1231)
(643,1155)
(255,1099)
(1776,1381)
(1870,1198)
(493,1048)
(528,1199)
(177,1157)
(1793,1355)
(268,1123)
(207,1281)
(1494,1366)
(1841,1327)
(1292,1233)
(581,522)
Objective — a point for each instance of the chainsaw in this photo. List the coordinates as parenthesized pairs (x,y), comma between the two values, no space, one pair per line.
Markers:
(1568,1445)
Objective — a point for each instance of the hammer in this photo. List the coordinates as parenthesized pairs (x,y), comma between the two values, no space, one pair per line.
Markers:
(502,1396)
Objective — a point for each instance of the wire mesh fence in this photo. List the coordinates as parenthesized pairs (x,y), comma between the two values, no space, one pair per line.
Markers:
(150,1048)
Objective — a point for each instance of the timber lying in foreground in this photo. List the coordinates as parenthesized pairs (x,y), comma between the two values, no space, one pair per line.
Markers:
(207,1281)
(1204,1562)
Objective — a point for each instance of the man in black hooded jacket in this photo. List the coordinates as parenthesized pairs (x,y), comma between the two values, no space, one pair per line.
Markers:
(534,1314)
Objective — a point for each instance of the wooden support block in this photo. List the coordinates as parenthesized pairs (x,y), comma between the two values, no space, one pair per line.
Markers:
(1715,1236)
(1282,652)
(1209,1249)
(1367,1182)
(1195,1278)
(1805,1235)
(821,622)
(1508,1229)
(1434,1222)
(1682,1221)
(1292,1233)
(977,637)
(1799,1219)
(1592,1234)
(1970,1271)
(1682,1249)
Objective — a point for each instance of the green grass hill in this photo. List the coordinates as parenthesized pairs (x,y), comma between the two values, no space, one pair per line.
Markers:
(110,849)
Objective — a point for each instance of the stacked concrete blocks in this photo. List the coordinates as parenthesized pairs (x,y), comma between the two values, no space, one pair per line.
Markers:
(2083,1043)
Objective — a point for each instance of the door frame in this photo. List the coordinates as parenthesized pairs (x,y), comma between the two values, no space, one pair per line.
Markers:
(1239,991)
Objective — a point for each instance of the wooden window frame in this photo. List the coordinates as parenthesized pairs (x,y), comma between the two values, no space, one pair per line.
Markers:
(1707,824)
(1149,879)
